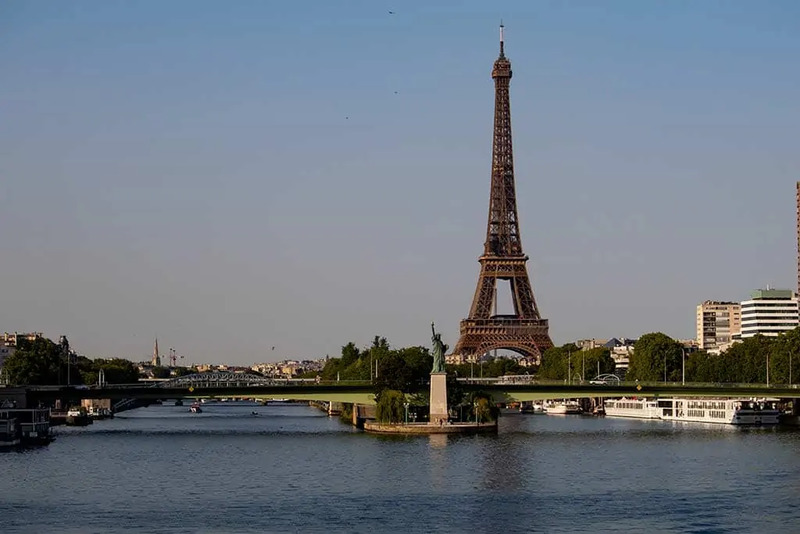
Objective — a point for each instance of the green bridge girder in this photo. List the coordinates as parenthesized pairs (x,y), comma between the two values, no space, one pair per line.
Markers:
(362,393)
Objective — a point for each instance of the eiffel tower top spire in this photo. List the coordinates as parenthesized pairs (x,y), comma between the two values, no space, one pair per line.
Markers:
(502,234)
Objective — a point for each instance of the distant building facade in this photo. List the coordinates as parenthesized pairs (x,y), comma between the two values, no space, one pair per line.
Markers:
(718,324)
(12,340)
(769,312)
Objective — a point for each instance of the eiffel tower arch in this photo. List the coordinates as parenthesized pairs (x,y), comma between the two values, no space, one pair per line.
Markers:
(523,331)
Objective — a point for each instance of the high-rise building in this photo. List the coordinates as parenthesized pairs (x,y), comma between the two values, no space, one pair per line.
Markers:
(769,312)
(717,324)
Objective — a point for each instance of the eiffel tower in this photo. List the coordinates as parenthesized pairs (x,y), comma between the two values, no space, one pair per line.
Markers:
(484,330)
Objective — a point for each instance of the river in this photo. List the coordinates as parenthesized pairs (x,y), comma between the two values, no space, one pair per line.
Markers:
(290,468)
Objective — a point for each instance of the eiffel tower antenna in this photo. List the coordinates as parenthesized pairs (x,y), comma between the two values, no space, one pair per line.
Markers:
(523,331)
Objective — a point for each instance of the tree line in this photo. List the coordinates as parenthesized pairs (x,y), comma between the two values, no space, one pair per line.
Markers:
(658,357)
(42,362)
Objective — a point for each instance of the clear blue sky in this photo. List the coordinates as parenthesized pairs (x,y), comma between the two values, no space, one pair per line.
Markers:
(233,176)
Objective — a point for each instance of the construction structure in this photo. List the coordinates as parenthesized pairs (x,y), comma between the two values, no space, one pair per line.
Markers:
(523,330)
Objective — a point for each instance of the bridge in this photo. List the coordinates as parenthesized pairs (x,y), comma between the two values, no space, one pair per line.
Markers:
(225,384)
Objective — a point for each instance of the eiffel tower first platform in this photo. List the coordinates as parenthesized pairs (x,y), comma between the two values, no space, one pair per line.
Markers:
(484,330)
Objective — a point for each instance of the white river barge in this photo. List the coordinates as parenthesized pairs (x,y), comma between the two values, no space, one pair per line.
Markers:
(699,410)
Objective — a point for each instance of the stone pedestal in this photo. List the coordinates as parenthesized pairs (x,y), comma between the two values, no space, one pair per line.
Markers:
(439,413)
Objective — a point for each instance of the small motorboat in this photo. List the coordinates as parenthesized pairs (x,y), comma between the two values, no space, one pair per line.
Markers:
(195,408)
(253,413)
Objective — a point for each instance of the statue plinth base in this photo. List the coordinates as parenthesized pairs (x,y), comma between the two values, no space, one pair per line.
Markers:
(439,413)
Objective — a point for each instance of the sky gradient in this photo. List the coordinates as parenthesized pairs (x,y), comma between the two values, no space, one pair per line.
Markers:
(233,176)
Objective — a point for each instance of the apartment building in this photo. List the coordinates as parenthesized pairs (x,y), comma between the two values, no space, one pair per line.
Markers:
(769,312)
(718,324)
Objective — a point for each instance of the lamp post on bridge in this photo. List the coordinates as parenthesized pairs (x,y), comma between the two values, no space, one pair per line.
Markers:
(768,369)
(683,366)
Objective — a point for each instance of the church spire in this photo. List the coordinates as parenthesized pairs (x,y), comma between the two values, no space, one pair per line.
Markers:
(156,358)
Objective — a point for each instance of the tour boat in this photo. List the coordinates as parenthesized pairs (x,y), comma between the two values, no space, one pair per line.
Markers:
(699,410)
(636,408)
(563,408)
(195,408)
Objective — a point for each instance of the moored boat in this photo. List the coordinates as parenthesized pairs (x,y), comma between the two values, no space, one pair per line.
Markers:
(10,434)
(697,410)
(78,417)
(566,407)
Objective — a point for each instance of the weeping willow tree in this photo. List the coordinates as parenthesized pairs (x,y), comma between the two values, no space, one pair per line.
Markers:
(390,406)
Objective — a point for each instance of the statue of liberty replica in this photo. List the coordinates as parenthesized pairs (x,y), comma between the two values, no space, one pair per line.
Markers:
(438,414)
(439,349)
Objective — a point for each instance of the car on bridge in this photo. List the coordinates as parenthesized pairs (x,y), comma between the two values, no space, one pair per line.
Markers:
(605,380)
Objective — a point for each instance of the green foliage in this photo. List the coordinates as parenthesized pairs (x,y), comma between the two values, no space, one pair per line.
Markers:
(399,369)
(346,414)
(116,371)
(784,358)
(488,368)
(40,362)
(390,406)
(161,372)
(483,408)
(582,364)
(394,373)
(650,354)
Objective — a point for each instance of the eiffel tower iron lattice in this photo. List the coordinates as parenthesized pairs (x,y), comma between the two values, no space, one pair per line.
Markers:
(485,330)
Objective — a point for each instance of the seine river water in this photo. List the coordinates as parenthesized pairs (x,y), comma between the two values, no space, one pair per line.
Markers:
(292,469)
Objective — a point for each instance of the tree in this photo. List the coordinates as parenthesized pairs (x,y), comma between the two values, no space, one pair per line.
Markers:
(483,409)
(556,360)
(393,374)
(390,406)
(40,362)
(650,355)
(702,367)
(161,372)
(115,371)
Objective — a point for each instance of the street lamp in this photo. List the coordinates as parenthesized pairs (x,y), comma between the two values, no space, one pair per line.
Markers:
(406,405)
(683,366)
(475,409)
(569,367)
(665,367)
(768,369)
